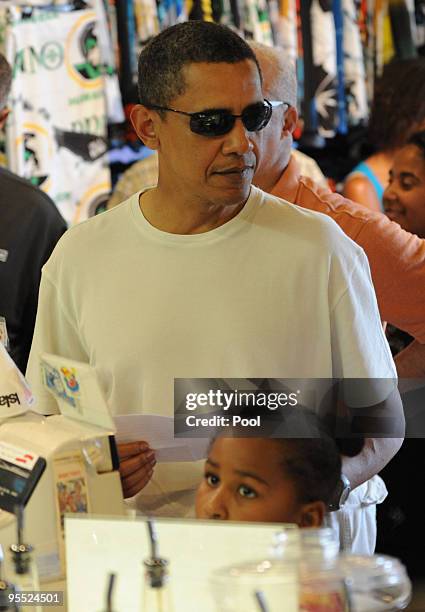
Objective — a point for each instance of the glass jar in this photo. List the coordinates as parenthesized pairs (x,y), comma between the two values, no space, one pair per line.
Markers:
(234,587)
(322,584)
(320,544)
(323,589)
(377,583)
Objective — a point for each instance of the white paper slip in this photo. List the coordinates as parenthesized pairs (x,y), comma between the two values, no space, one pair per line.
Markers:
(158,432)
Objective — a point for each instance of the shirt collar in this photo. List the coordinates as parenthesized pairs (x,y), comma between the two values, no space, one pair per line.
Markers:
(288,183)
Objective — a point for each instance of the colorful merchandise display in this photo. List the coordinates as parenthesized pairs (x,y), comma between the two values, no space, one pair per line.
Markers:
(57,134)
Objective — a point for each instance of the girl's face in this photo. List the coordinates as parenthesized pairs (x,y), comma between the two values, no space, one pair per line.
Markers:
(404,198)
(244,480)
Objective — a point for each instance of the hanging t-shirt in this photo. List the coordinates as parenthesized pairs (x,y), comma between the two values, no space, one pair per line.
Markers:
(56,135)
(401,24)
(114,108)
(171,12)
(232,15)
(257,22)
(324,66)
(354,66)
(367,32)
(305,67)
(339,34)
(146,17)
(286,27)
(380,16)
(419,29)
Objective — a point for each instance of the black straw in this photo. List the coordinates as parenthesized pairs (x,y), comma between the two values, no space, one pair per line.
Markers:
(261,601)
(153,539)
(111,584)
(19,513)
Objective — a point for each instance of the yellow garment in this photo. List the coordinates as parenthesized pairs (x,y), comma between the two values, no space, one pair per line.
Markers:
(389,49)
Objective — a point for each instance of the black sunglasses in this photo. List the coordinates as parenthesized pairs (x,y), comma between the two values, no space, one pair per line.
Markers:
(216,122)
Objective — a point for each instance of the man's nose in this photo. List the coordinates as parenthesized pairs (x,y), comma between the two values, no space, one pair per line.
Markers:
(238,140)
(217,506)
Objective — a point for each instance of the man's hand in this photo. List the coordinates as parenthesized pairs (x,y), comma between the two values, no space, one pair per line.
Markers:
(137,461)
(386,419)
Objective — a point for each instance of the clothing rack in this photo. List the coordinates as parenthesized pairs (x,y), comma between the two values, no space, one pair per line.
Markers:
(72,6)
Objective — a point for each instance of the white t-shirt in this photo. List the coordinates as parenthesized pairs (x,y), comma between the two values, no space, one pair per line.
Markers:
(276,292)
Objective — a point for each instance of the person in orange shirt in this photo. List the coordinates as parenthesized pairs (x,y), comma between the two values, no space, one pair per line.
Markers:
(404,203)
(396,257)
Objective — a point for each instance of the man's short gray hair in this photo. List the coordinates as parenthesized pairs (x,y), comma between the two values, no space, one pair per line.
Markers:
(279,73)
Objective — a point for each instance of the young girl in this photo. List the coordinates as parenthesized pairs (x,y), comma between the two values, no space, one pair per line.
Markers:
(282,480)
(404,198)
(398,110)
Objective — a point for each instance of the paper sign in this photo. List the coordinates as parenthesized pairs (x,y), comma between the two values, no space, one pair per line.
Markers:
(15,394)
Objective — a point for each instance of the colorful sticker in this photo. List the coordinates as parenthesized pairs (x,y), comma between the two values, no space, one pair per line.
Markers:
(62,383)
(70,379)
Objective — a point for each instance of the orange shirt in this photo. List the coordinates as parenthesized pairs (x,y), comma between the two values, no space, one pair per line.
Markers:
(396,258)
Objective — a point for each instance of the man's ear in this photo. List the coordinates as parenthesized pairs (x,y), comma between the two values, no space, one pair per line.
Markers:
(312,514)
(3,116)
(290,123)
(144,121)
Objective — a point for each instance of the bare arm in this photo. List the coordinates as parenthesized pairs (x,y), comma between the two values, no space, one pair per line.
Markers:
(359,189)
(387,418)
(377,452)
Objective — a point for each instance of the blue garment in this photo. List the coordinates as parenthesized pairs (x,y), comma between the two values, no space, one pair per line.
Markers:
(339,34)
(363,168)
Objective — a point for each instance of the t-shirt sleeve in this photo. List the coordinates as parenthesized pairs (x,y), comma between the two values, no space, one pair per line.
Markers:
(55,332)
(359,347)
(397,263)
(119,195)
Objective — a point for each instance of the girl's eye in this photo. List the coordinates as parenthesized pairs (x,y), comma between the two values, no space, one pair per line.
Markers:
(245,491)
(212,479)
(407,185)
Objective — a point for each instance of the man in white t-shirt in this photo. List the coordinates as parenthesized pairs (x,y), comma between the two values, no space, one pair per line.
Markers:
(205,276)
